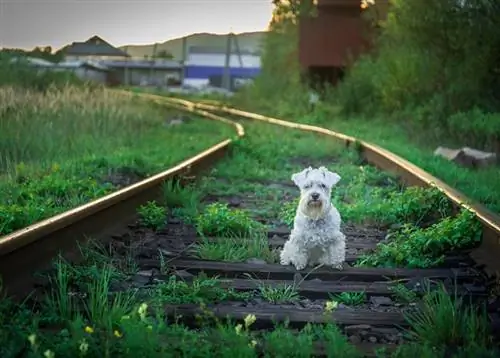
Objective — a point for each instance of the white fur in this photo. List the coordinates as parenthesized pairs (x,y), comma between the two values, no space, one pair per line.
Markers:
(316,237)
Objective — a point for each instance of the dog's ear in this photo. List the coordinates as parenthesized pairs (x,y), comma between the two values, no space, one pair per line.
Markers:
(299,178)
(331,178)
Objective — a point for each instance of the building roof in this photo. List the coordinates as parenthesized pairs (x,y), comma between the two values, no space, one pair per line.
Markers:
(95,46)
(143,64)
(218,50)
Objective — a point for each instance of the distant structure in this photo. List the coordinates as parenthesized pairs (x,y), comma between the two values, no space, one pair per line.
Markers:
(95,48)
(121,68)
(219,66)
(335,36)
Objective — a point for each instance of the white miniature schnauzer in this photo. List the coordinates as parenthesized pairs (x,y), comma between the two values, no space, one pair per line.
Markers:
(316,237)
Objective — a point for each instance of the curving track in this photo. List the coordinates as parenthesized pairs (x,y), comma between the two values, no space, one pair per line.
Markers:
(111,219)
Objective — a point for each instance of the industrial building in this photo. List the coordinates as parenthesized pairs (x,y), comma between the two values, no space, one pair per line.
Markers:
(336,35)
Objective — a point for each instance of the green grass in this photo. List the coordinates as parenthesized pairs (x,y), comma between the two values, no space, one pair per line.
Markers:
(65,147)
(100,321)
(413,144)
(350,298)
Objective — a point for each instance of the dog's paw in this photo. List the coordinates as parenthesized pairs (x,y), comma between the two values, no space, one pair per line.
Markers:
(284,262)
(339,266)
(300,266)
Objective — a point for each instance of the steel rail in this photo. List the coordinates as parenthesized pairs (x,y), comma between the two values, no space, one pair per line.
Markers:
(486,255)
(32,248)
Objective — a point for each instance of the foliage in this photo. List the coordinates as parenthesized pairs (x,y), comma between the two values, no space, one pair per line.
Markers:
(444,320)
(219,220)
(66,146)
(16,71)
(415,247)
(200,290)
(350,298)
(152,215)
(434,58)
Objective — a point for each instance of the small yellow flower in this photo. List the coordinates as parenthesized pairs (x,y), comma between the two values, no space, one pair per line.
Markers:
(117,334)
(142,310)
(249,320)
(49,354)
(32,339)
(89,330)
(252,343)
(84,346)
(55,167)
(238,329)
(331,305)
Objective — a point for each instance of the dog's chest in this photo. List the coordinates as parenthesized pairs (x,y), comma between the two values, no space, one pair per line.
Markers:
(317,233)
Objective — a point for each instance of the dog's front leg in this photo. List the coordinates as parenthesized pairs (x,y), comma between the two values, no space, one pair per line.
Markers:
(334,255)
(294,254)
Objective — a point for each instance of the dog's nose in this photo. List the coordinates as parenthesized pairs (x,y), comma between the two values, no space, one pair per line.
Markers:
(315,196)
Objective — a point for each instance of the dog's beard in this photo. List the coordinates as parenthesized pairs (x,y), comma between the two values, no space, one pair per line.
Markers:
(313,209)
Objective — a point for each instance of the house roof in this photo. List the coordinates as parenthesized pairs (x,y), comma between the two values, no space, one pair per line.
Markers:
(95,46)
(143,64)
(218,50)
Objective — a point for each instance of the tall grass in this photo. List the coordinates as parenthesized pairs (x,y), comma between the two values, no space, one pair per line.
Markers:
(62,123)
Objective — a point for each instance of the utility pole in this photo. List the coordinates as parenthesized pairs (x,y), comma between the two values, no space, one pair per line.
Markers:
(153,59)
(125,72)
(226,82)
(184,59)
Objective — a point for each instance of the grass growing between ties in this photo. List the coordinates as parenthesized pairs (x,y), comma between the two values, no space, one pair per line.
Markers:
(415,247)
(68,145)
(86,316)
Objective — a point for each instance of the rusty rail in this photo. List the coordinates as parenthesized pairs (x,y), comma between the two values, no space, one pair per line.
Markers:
(486,254)
(27,250)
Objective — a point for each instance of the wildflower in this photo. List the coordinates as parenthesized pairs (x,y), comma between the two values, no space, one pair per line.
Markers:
(49,354)
(117,333)
(55,167)
(142,310)
(238,329)
(84,346)
(249,320)
(89,330)
(252,343)
(32,339)
(331,305)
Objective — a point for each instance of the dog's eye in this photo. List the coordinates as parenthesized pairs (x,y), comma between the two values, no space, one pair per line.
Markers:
(323,186)
(307,186)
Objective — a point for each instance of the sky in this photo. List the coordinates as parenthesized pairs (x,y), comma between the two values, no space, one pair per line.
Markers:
(29,23)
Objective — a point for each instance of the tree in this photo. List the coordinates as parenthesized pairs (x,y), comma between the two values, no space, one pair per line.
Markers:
(164,54)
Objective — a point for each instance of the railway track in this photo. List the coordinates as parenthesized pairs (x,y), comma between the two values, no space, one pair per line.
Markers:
(192,271)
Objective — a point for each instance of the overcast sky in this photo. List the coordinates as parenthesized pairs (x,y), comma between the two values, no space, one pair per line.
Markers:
(30,23)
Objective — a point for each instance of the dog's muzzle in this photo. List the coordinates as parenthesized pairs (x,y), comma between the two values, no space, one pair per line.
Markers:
(315,200)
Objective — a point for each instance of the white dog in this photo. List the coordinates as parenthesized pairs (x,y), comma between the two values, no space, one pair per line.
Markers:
(316,237)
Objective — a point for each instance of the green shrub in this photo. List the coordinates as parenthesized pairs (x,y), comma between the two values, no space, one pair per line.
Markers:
(152,215)
(219,220)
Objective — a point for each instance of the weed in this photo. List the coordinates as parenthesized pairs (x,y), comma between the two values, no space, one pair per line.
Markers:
(416,247)
(152,215)
(281,342)
(177,196)
(335,343)
(236,249)
(200,290)
(403,294)
(350,298)
(279,294)
(443,320)
(219,220)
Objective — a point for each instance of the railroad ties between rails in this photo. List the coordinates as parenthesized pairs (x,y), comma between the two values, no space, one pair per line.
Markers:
(376,322)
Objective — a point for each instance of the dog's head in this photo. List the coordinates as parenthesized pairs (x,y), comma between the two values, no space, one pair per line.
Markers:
(315,190)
